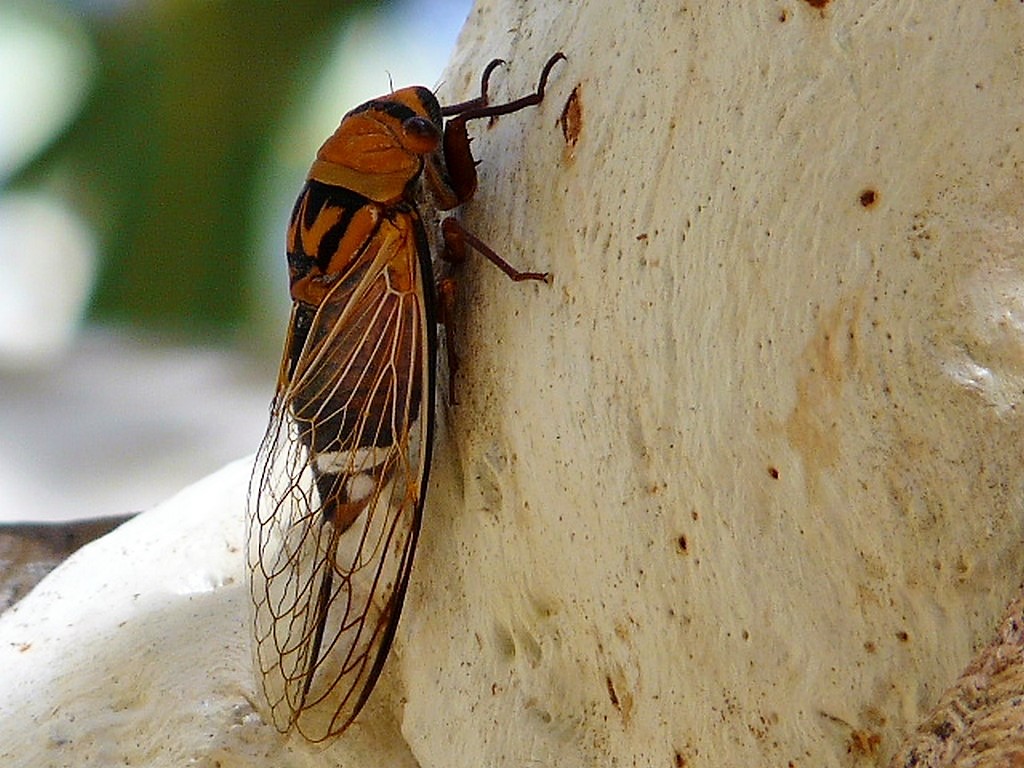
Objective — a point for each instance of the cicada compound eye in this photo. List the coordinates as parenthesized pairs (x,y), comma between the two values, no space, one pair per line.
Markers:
(421,135)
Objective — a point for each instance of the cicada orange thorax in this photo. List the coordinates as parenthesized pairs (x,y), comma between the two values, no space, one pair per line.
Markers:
(378,150)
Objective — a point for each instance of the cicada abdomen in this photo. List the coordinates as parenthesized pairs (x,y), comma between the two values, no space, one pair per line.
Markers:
(340,477)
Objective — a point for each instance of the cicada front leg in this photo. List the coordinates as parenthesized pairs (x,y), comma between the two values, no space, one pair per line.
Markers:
(458,156)
(480,101)
(461,182)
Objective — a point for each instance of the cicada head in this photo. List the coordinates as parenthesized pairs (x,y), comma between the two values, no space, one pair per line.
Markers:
(378,150)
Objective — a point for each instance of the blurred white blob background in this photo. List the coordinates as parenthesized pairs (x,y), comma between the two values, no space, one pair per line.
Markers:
(47,255)
(104,421)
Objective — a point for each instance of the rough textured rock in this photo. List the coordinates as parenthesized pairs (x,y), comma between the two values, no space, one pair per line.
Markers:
(743,486)
(978,722)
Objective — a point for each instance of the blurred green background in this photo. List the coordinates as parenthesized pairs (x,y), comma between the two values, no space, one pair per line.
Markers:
(150,153)
(168,158)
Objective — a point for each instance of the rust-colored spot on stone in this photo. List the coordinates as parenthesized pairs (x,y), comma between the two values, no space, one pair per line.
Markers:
(612,694)
(619,695)
(773,472)
(863,742)
(571,121)
(817,3)
(869,198)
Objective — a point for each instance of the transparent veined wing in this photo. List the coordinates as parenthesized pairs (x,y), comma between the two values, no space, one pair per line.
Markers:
(337,489)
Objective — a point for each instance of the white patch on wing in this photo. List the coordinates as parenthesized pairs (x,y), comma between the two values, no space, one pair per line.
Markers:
(351,462)
(360,487)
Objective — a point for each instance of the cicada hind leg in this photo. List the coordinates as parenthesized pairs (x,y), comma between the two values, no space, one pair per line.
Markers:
(461,169)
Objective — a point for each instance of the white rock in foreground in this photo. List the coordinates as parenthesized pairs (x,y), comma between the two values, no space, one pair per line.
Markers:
(101,661)
(135,652)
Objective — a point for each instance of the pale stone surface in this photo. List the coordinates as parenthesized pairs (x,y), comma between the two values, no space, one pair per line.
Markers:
(135,652)
(731,303)
(743,486)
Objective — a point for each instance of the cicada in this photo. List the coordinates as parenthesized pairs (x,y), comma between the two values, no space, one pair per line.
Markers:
(337,490)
